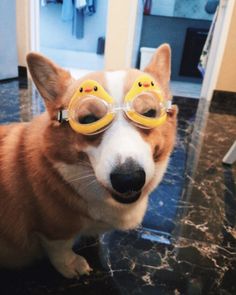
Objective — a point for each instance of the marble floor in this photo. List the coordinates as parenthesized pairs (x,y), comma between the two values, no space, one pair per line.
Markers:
(187,242)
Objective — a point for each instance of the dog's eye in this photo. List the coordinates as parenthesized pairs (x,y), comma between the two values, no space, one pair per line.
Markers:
(90,110)
(88,119)
(150,113)
(147,105)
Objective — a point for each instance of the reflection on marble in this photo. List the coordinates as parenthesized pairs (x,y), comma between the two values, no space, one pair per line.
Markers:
(19,101)
(163,201)
(187,242)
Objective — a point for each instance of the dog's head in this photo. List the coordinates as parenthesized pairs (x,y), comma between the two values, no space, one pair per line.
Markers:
(126,160)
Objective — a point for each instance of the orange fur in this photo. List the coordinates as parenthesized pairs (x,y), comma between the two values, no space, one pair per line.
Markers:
(34,198)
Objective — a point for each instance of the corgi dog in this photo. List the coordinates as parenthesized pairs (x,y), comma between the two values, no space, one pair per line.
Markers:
(87,164)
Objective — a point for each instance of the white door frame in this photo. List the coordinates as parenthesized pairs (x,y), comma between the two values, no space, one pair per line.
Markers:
(34,25)
(217,48)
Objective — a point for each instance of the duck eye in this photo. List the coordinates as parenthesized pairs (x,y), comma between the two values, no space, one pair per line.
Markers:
(152,83)
(95,88)
(140,84)
(81,89)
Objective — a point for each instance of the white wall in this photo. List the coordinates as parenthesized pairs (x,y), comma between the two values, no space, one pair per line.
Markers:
(8,50)
(22,30)
(227,76)
(120,36)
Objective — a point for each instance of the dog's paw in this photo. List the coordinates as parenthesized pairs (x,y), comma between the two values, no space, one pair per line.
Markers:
(74,266)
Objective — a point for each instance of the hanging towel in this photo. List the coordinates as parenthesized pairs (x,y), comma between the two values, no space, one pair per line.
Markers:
(89,9)
(79,4)
(67,10)
(82,8)
(78,23)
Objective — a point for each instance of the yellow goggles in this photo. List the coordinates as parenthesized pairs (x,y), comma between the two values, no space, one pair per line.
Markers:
(91,109)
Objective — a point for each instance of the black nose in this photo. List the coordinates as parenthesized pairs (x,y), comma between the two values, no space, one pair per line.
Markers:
(128,177)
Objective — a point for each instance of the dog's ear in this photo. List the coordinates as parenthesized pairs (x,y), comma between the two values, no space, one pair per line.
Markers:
(160,66)
(50,80)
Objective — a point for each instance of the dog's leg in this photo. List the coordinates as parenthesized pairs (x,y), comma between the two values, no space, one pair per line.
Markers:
(61,255)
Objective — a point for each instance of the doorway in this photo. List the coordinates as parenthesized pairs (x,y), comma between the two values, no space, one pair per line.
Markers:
(185,27)
(72,33)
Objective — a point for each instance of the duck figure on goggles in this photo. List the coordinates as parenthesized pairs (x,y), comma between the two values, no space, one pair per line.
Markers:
(91,109)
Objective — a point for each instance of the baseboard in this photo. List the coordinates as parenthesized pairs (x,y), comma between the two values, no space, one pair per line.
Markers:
(22,76)
(22,72)
(223,102)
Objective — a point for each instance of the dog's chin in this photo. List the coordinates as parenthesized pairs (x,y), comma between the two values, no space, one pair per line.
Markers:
(128,198)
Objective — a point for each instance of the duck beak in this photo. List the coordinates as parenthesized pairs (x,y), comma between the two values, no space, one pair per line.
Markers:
(146,84)
(88,90)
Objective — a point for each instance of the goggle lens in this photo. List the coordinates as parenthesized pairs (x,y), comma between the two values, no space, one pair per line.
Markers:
(147,105)
(89,110)
(146,110)
(90,115)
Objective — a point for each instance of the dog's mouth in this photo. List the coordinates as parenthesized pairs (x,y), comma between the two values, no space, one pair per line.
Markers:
(123,198)
(127,198)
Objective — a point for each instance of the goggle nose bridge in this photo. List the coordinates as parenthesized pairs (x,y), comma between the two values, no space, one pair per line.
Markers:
(63,115)
(123,108)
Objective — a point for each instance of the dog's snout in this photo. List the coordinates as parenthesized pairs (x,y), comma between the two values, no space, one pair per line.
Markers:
(128,177)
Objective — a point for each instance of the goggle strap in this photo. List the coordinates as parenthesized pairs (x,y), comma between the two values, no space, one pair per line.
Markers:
(62,116)
(168,105)
(120,108)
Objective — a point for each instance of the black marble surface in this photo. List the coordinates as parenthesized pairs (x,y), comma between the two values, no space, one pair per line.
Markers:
(187,242)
